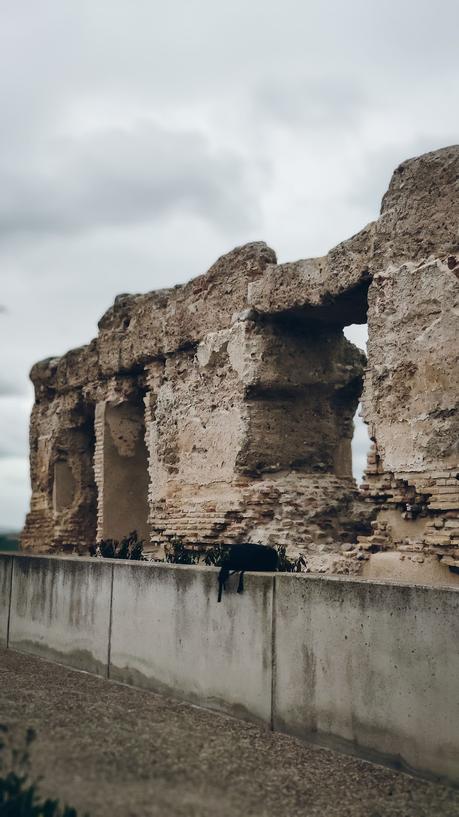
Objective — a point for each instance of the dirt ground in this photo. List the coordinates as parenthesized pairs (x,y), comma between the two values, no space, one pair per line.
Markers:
(114,751)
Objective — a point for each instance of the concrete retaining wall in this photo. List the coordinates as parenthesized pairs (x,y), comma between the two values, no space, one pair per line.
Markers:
(367,667)
(169,634)
(60,610)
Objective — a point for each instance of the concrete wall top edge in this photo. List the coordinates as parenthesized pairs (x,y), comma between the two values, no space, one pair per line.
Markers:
(305,577)
(361,581)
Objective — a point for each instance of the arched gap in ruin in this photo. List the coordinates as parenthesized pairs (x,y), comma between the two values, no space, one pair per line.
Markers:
(361,443)
(71,483)
(345,313)
(125,471)
(302,398)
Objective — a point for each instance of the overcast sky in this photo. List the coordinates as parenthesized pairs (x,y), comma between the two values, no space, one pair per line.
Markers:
(141,139)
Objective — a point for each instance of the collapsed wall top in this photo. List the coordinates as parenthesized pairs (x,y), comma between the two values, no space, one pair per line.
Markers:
(418,220)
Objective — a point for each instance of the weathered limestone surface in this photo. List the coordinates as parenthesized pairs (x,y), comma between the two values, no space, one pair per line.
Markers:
(411,405)
(250,438)
(64,498)
(221,410)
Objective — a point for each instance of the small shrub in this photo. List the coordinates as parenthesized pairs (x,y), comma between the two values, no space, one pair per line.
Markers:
(19,795)
(178,554)
(216,555)
(287,565)
(131,547)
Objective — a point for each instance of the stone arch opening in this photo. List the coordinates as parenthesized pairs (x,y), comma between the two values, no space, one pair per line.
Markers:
(303,395)
(72,489)
(125,477)
(361,442)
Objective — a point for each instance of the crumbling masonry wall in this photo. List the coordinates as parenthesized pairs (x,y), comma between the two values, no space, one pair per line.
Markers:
(221,410)
(251,438)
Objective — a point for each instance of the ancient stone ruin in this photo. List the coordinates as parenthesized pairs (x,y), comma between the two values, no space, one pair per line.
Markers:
(222,410)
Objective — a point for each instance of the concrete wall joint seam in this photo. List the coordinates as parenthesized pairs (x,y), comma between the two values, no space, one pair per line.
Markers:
(110,621)
(9,604)
(273,651)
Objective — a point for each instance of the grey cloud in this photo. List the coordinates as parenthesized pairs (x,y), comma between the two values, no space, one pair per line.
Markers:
(14,414)
(15,491)
(180,48)
(120,176)
(8,451)
(10,388)
(315,103)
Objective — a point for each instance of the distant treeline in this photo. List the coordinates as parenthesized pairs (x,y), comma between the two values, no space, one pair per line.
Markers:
(9,541)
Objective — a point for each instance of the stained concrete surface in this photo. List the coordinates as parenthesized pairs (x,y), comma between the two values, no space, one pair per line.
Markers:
(170,635)
(339,644)
(373,664)
(116,751)
(60,610)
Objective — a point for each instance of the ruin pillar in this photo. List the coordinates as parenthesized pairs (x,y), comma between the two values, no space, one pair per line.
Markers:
(121,469)
(410,404)
(63,505)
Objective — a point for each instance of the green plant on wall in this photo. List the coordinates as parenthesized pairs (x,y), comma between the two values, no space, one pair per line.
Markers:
(287,565)
(131,547)
(216,555)
(177,553)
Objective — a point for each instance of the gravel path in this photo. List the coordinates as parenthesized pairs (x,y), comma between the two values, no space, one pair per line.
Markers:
(115,751)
